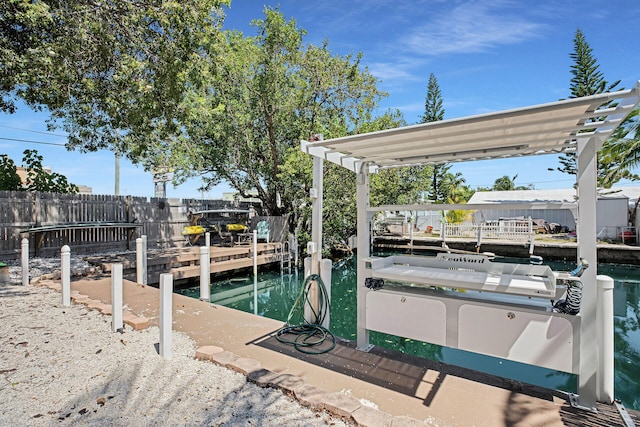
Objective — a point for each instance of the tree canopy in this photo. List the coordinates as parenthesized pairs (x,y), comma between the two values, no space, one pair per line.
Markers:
(112,74)
(264,94)
(9,178)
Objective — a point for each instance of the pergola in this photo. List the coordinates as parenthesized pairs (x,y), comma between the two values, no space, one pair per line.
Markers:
(580,125)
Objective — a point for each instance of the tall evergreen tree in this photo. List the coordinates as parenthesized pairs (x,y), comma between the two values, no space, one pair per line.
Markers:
(433,109)
(433,112)
(587,79)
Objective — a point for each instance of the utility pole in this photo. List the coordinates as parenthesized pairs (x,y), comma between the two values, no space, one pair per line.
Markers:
(116,190)
(117,178)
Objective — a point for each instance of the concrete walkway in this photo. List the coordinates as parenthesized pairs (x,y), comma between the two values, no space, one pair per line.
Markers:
(407,390)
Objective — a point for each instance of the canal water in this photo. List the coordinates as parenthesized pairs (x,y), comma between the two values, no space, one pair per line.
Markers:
(277,293)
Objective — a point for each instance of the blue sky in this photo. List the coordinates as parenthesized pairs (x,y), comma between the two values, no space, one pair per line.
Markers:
(488,55)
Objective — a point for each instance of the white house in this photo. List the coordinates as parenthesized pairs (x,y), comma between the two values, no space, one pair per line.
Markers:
(613,207)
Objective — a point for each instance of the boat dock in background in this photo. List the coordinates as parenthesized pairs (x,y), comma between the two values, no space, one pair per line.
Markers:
(184,263)
(556,250)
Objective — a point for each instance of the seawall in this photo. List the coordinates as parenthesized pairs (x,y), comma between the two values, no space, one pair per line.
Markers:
(607,253)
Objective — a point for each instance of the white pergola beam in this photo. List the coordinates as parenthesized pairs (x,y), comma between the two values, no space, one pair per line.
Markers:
(474,206)
(546,128)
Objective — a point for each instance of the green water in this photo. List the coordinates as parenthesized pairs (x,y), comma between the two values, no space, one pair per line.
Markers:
(277,293)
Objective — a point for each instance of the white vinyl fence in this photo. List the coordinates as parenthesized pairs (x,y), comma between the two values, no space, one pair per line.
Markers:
(512,230)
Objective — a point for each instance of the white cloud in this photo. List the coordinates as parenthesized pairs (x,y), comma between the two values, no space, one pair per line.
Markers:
(390,71)
(472,26)
(435,28)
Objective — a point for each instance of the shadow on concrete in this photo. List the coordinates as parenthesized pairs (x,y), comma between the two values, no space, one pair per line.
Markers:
(423,378)
(402,373)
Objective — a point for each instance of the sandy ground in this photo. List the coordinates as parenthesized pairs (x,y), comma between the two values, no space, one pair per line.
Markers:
(63,366)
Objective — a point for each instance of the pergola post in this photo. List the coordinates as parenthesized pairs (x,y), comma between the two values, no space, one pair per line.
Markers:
(314,248)
(362,203)
(316,215)
(587,234)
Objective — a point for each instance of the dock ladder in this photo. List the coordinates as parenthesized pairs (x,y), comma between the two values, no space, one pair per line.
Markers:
(285,257)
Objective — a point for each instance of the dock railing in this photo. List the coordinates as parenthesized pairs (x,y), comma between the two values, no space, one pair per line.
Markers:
(512,230)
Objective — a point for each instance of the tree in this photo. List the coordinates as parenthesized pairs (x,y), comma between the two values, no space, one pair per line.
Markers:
(339,203)
(403,185)
(433,112)
(587,80)
(9,178)
(113,74)
(433,109)
(38,178)
(266,93)
(622,150)
(457,193)
(505,183)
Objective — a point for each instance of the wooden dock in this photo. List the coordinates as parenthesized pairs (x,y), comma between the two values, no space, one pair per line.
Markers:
(184,263)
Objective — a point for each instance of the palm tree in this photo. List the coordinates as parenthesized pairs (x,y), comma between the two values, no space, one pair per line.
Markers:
(504,183)
(622,151)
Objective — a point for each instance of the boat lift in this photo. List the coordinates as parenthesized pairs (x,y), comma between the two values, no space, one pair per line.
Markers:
(505,310)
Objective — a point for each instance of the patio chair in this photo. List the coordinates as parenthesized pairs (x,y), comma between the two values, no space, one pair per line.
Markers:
(263,230)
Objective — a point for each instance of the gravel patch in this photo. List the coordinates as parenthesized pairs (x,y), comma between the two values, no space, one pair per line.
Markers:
(64,366)
(41,266)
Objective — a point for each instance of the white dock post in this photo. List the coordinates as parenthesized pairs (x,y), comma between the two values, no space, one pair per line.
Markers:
(139,262)
(166,315)
(255,271)
(205,290)
(65,260)
(411,223)
(25,261)
(207,239)
(325,275)
(144,259)
(532,237)
(604,316)
(306,265)
(307,309)
(116,298)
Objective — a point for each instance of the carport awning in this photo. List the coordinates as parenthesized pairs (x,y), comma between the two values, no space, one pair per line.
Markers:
(542,129)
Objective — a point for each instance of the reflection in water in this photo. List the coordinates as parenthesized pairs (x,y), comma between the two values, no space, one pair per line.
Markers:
(627,334)
(277,294)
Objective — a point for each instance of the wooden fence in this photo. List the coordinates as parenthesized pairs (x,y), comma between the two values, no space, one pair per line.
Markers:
(162,220)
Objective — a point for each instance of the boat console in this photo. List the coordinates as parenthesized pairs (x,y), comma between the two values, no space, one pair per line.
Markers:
(463,300)
(467,272)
